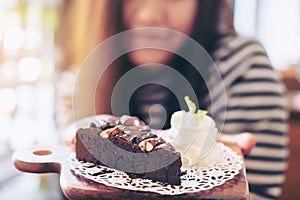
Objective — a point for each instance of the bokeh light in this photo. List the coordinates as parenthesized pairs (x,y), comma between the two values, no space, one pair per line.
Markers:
(13,38)
(29,68)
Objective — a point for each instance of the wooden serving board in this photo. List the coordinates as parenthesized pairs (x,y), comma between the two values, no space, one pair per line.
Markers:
(47,159)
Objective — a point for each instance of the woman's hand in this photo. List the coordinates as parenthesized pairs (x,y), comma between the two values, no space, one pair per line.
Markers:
(246,141)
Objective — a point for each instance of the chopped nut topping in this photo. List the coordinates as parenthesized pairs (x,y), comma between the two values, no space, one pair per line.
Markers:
(105,133)
(126,120)
(148,144)
(111,131)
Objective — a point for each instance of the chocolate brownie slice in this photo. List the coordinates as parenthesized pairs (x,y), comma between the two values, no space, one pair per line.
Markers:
(127,144)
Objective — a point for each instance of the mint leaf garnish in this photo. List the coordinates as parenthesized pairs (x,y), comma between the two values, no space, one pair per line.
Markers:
(190,104)
(201,114)
(192,108)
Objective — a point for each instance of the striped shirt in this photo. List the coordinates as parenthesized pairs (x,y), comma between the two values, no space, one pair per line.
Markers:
(256,104)
(253,101)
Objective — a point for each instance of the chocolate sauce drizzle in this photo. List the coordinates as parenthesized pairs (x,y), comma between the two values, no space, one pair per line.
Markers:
(128,128)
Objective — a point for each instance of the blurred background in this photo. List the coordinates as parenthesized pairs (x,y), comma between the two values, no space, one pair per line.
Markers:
(38,68)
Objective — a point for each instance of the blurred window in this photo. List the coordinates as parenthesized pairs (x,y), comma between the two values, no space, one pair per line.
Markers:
(275,23)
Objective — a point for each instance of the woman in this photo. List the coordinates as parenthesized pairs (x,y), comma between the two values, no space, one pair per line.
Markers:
(254,94)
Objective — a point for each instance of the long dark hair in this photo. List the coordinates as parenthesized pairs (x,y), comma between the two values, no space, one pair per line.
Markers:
(214,20)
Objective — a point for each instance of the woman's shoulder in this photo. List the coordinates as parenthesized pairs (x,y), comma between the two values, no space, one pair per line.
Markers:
(232,45)
(239,57)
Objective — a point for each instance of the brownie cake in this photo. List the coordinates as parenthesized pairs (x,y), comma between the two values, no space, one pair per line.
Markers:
(125,143)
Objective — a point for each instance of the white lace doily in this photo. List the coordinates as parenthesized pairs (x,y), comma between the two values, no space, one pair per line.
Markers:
(223,168)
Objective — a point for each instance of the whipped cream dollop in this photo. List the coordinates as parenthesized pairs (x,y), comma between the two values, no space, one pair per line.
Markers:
(194,135)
